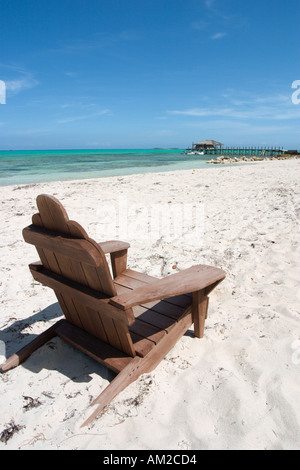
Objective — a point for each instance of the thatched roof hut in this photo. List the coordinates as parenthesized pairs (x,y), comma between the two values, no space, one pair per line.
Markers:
(207,144)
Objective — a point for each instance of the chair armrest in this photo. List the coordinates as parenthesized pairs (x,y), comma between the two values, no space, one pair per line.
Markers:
(189,280)
(118,255)
(36,266)
(113,246)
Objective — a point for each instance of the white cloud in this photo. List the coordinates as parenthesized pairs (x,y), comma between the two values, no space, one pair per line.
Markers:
(200,25)
(218,35)
(209,3)
(79,118)
(202,112)
(273,108)
(19,84)
(97,41)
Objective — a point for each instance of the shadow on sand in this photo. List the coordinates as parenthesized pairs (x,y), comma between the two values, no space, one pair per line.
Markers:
(56,354)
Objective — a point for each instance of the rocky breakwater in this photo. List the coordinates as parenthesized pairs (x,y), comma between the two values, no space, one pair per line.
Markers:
(225,159)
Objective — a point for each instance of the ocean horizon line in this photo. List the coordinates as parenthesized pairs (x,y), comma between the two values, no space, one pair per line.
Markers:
(89,149)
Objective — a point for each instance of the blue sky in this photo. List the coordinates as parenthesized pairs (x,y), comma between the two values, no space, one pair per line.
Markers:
(148,73)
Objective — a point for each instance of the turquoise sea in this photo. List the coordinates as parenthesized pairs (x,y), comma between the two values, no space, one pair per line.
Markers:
(37,166)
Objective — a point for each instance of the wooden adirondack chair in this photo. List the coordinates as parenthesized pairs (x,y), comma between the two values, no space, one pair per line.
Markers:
(128,321)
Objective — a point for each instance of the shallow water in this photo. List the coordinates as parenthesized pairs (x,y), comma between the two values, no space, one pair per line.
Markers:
(33,166)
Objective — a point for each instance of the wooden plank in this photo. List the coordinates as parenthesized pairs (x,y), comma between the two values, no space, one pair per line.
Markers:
(105,279)
(70,268)
(149,279)
(107,323)
(51,260)
(153,318)
(141,276)
(146,330)
(27,350)
(118,262)
(64,307)
(103,272)
(60,221)
(43,257)
(53,219)
(125,338)
(187,281)
(141,345)
(108,330)
(88,297)
(92,278)
(128,375)
(72,310)
(113,246)
(92,323)
(111,332)
(129,281)
(163,307)
(102,352)
(166,308)
(133,279)
(52,213)
(75,248)
(166,344)
(181,301)
(137,367)
(117,334)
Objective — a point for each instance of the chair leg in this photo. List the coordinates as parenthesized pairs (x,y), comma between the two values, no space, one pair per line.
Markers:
(138,366)
(27,350)
(129,374)
(200,306)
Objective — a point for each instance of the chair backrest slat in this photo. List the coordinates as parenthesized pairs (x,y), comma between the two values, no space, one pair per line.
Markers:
(65,245)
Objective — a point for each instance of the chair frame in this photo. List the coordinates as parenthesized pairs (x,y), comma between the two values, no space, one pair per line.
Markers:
(113,302)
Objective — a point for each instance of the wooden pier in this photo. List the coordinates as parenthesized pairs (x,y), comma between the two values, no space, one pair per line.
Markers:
(212,147)
(247,151)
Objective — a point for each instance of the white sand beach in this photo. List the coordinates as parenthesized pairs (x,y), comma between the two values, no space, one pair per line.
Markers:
(238,387)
